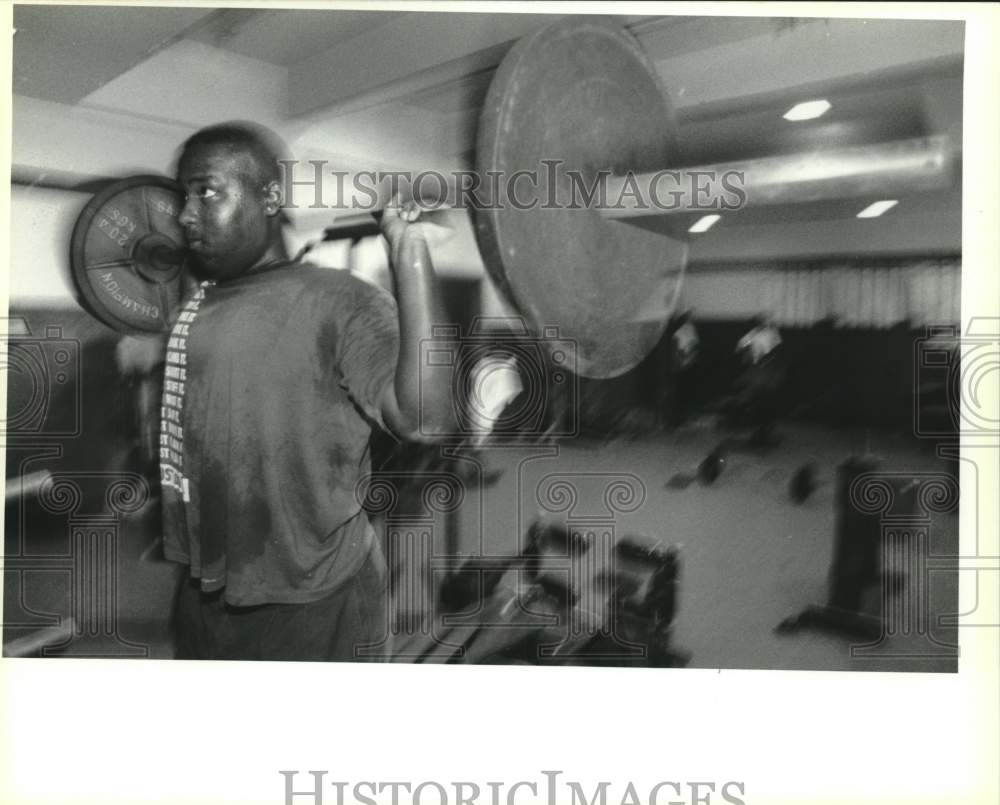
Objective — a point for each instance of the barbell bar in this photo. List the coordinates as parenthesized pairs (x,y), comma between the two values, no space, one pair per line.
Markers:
(920,164)
(903,166)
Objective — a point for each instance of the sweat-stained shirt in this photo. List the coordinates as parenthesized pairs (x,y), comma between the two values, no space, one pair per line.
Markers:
(271,390)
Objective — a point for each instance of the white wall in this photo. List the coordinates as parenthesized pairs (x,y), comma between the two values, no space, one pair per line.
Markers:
(41,224)
(896,233)
(88,143)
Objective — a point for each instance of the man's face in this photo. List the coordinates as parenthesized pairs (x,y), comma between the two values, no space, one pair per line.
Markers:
(225,218)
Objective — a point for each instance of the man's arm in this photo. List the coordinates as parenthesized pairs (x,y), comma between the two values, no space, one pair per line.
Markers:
(405,410)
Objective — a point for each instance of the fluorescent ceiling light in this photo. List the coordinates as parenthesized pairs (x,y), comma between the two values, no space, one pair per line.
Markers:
(807,110)
(876,209)
(704,223)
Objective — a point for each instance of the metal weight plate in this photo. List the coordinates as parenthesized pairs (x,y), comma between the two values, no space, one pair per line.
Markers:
(127,254)
(581,92)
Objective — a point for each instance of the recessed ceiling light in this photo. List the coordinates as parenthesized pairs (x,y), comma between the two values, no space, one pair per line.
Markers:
(807,110)
(704,223)
(876,209)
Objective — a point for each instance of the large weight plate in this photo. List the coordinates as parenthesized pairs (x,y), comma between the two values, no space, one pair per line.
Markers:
(126,254)
(581,91)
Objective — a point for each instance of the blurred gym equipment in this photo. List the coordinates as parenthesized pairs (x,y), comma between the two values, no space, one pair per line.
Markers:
(560,601)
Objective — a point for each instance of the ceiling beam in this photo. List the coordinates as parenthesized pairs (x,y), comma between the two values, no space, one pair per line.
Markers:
(409,53)
(725,64)
(63,53)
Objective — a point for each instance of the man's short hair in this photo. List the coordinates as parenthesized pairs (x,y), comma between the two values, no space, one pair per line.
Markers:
(260,143)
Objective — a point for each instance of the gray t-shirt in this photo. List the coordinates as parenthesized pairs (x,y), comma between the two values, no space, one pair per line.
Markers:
(271,389)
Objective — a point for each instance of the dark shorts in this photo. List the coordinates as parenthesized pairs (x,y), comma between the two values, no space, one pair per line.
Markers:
(337,628)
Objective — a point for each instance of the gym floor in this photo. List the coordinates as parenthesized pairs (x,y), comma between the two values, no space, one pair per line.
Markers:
(750,556)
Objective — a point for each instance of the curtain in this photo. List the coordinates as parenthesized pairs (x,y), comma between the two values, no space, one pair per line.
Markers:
(868,293)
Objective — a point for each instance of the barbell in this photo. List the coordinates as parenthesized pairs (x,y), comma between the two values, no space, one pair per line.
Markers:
(575,105)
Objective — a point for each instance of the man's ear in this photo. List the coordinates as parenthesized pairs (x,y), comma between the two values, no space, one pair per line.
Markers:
(272,198)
